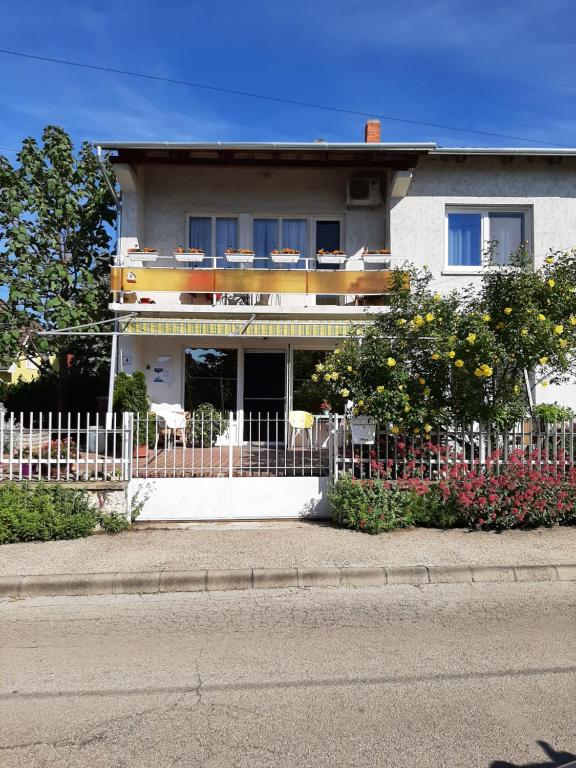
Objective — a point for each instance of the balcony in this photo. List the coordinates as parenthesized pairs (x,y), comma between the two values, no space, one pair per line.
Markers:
(256,282)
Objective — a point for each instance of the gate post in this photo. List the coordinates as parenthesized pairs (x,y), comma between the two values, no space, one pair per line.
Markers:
(127,439)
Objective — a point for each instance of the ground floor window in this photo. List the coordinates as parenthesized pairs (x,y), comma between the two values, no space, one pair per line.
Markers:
(304,394)
(210,377)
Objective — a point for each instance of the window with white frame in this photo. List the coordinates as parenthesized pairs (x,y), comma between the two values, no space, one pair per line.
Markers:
(470,232)
(213,234)
(270,233)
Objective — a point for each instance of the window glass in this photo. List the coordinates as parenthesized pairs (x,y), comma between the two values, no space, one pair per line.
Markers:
(266,238)
(305,394)
(226,237)
(464,239)
(327,235)
(295,235)
(210,377)
(508,230)
(200,233)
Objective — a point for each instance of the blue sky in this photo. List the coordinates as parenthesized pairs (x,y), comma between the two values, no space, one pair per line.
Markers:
(499,66)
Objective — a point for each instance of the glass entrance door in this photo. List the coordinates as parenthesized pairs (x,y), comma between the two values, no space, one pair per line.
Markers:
(264,396)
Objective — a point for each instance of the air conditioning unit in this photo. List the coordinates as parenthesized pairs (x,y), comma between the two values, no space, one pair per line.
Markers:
(363,190)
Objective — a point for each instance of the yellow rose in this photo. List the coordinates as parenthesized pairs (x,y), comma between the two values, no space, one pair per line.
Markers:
(572,320)
(360,403)
(551,283)
(486,370)
(314,377)
(337,351)
(437,297)
(541,317)
(563,343)
(543,360)
(319,367)
(391,362)
(549,260)
(427,427)
(459,363)
(327,377)
(558,329)
(422,380)
(380,389)
(486,318)
(418,321)
(402,321)
(349,368)
(416,431)
(334,376)
(516,389)
(407,409)
(507,310)
(395,430)
(429,317)
(451,354)
(435,356)
(426,391)
(478,373)
(344,392)
(545,383)
(471,338)
(524,332)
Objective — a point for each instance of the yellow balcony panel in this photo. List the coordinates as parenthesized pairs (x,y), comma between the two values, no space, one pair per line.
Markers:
(252,281)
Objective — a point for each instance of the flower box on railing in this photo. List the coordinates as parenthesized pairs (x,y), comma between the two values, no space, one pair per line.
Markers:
(285,256)
(143,254)
(195,255)
(377,257)
(239,255)
(331,257)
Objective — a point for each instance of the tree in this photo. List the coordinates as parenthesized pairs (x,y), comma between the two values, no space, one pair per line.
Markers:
(56,218)
(461,357)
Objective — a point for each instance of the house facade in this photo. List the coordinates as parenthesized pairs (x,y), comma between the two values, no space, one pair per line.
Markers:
(239,265)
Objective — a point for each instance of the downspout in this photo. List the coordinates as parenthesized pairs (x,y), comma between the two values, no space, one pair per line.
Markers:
(114,350)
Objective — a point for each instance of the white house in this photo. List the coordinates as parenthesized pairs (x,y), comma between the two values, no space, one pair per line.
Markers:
(243,331)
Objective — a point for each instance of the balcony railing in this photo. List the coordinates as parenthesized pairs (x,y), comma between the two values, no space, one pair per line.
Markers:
(254,280)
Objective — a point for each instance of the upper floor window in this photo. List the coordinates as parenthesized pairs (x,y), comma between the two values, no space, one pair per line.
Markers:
(213,234)
(280,233)
(471,232)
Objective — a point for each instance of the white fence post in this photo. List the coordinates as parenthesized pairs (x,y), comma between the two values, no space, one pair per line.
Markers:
(127,439)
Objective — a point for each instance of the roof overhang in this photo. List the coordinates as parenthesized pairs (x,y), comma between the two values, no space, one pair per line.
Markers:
(388,155)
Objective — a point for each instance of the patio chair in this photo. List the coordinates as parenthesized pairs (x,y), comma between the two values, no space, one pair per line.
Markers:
(171,423)
(300,422)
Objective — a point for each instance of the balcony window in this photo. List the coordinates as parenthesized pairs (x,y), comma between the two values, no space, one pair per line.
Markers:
(279,233)
(469,234)
(213,234)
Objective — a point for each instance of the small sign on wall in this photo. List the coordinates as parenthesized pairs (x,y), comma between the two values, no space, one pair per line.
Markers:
(127,361)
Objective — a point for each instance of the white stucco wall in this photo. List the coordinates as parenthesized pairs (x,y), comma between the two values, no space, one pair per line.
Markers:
(169,193)
(417,222)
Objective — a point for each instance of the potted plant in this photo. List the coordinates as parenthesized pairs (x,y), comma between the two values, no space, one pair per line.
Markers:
(330,257)
(143,254)
(381,256)
(131,396)
(284,255)
(239,255)
(204,425)
(189,254)
(325,408)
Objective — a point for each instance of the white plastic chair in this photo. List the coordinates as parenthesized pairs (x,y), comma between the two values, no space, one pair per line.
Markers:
(170,419)
(300,422)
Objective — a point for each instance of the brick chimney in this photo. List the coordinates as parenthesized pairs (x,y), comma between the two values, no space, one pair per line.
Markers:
(372,132)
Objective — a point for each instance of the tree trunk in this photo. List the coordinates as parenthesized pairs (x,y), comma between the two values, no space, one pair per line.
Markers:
(62,382)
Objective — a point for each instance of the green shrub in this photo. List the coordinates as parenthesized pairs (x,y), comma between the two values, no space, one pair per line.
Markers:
(39,513)
(113,523)
(205,425)
(430,510)
(553,413)
(371,506)
(131,396)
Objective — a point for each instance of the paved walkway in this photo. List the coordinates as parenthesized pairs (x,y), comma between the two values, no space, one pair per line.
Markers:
(285,546)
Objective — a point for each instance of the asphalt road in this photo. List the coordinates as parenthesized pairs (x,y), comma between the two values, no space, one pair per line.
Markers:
(478,676)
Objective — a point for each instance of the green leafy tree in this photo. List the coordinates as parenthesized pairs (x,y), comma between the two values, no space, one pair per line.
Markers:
(461,357)
(56,218)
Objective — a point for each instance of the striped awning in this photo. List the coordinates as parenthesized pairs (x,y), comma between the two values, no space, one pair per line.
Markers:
(302,329)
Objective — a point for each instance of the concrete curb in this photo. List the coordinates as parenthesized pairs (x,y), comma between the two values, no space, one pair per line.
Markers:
(152,582)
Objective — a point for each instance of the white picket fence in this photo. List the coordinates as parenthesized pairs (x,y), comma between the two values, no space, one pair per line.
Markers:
(87,447)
